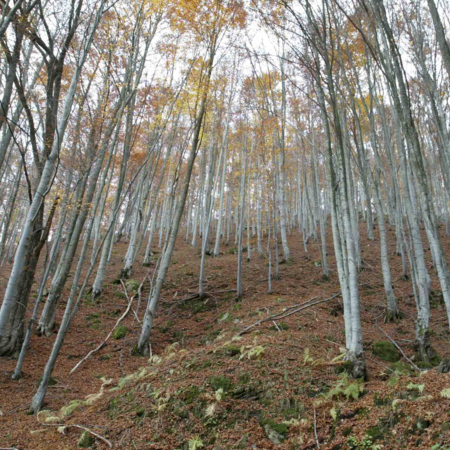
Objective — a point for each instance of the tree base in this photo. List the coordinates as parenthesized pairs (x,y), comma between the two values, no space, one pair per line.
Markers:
(45,329)
(137,351)
(426,356)
(393,316)
(355,366)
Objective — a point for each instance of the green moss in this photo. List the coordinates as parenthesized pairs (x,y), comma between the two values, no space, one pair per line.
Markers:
(221,382)
(400,367)
(140,412)
(424,365)
(435,359)
(51,382)
(345,367)
(71,407)
(201,365)
(375,433)
(113,407)
(244,378)
(383,427)
(200,307)
(225,317)
(166,327)
(86,440)
(132,285)
(276,432)
(92,316)
(190,394)
(380,400)
(120,332)
(386,351)
(120,294)
(291,408)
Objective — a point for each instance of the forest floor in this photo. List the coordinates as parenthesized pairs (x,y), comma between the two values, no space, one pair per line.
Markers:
(277,386)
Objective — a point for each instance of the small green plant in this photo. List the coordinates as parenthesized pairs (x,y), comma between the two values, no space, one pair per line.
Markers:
(366,444)
(346,387)
(195,443)
(445,393)
(166,327)
(255,352)
(120,332)
(415,387)
(86,440)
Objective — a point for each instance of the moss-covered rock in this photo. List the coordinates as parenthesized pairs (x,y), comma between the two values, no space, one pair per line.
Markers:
(86,440)
(275,432)
(132,285)
(386,351)
(120,332)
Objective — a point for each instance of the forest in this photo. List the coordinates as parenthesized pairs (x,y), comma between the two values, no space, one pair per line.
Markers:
(224,224)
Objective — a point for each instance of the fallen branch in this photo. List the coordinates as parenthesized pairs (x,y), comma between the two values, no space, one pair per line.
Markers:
(121,318)
(399,348)
(315,429)
(125,291)
(98,436)
(283,314)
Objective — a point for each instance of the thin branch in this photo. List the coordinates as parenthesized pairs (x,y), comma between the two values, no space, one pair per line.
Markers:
(283,314)
(399,348)
(98,436)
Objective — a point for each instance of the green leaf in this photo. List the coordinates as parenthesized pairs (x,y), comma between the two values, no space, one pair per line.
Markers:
(445,393)
(195,443)
(333,413)
(412,387)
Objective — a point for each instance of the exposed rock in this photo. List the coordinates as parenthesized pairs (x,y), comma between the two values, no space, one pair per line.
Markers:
(275,432)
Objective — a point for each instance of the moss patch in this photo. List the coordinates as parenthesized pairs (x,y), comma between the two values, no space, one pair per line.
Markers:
(401,368)
(120,332)
(221,382)
(386,351)
(275,432)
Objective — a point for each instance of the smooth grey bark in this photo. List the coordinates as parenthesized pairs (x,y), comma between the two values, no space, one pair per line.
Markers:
(143,343)
(440,35)
(240,287)
(53,142)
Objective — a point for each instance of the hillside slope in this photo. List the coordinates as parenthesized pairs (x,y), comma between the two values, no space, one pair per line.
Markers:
(280,385)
